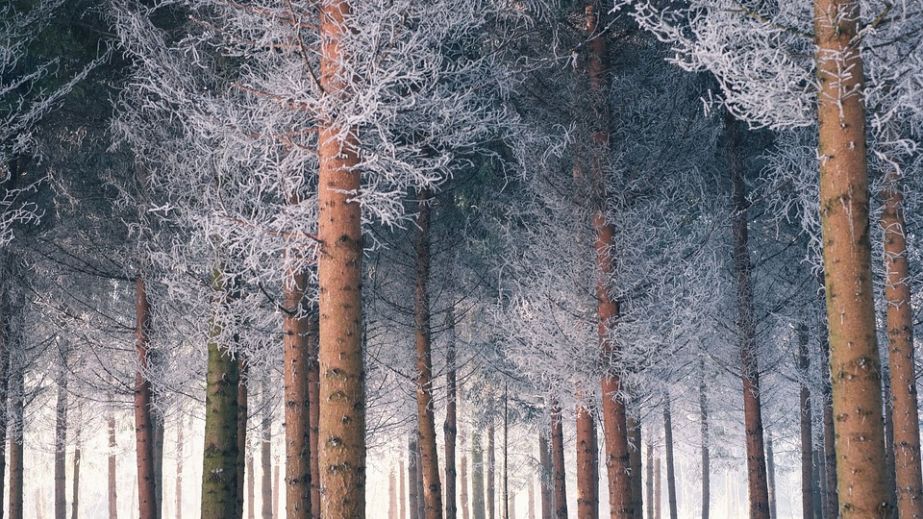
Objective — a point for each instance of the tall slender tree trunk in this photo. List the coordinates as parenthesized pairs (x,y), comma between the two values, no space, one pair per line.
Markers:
(413,470)
(421,503)
(266,486)
(17,412)
(557,462)
(668,448)
(531,509)
(546,482)
(905,414)
(506,455)
(251,485)
(831,502)
(243,412)
(144,427)
(157,446)
(180,456)
(613,407)
(491,471)
(463,472)
(75,488)
(657,500)
(889,437)
(634,460)
(816,486)
(220,464)
(450,427)
(844,214)
(746,329)
(426,420)
(275,490)
(771,473)
(807,436)
(314,414)
(587,464)
(477,477)
(297,331)
(392,495)
(113,467)
(650,479)
(339,271)
(5,376)
(402,492)
(60,438)
(706,455)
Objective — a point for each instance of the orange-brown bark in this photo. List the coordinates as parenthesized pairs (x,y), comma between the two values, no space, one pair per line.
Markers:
(587,465)
(297,332)
(559,472)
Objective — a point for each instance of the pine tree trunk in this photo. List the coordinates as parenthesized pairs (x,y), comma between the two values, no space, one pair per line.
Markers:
(634,460)
(144,427)
(339,271)
(75,489)
(844,214)
(392,495)
(807,437)
(180,456)
(242,416)
(266,486)
(275,491)
(426,420)
(464,500)
(477,477)
(314,414)
(491,472)
(557,463)
(753,417)
(657,494)
(587,465)
(60,439)
(889,438)
(531,498)
(157,450)
(668,448)
(506,454)
(412,476)
(706,456)
(771,473)
(545,480)
(17,411)
(650,479)
(4,399)
(831,501)
(402,490)
(251,486)
(113,468)
(816,490)
(297,331)
(615,426)
(450,427)
(905,414)
(421,503)
(220,464)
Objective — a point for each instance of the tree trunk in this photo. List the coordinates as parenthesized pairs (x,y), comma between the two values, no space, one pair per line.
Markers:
(889,438)
(314,414)
(587,465)
(412,476)
(657,494)
(477,477)
(297,331)
(771,473)
(816,485)
(113,468)
(450,427)
(706,456)
(506,454)
(615,427)
(180,447)
(557,463)
(402,492)
(392,495)
(251,486)
(807,437)
(17,411)
(421,503)
(831,501)
(463,472)
(220,463)
(426,420)
(668,448)
(753,417)
(157,450)
(491,472)
(339,271)
(531,498)
(650,479)
(4,396)
(905,415)
(266,486)
(844,214)
(545,480)
(75,489)
(242,416)
(144,427)
(60,439)
(275,490)
(634,460)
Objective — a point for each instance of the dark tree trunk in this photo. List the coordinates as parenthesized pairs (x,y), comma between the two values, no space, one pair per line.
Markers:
(144,427)
(771,473)
(477,477)
(807,437)
(668,448)
(266,453)
(75,489)
(587,465)
(4,395)
(450,427)
(157,451)
(60,439)
(242,416)
(650,480)
(491,471)
(634,459)
(412,477)
(506,457)
(17,411)
(546,482)
(831,502)
(557,463)
(706,456)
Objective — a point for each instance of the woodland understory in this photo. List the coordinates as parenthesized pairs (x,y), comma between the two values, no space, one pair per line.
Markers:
(460,259)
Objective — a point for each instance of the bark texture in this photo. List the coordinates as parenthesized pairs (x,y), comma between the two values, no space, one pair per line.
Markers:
(546,485)
(650,479)
(634,459)
(17,453)
(477,477)
(706,455)
(844,213)
(557,463)
(807,437)
(587,465)
(413,474)
(75,488)
(297,329)
(904,411)
(4,395)
(242,415)
(746,329)
(668,448)
(60,439)
(144,427)
(341,426)
(771,473)
(450,426)
(266,486)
